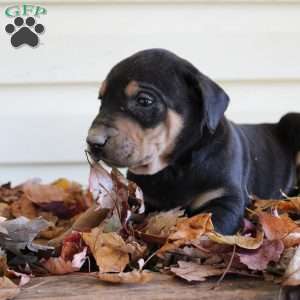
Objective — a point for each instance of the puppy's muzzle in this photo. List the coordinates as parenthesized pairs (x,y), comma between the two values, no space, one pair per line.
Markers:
(97,139)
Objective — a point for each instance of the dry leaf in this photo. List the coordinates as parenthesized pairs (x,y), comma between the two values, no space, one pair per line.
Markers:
(187,231)
(128,189)
(22,277)
(72,256)
(292,239)
(128,277)
(109,250)
(24,207)
(20,233)
(276,227)
(246,242)
(60,266)
(270,251)
(160,224)
(102,187)
(3,263)
(8,290)
(91,218)
(5,210)
(9,194)
(289,205)
(292,273)
(136,251)
(191,271)
(43,193)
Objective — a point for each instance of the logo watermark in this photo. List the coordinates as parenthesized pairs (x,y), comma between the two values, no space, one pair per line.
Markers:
(25,29)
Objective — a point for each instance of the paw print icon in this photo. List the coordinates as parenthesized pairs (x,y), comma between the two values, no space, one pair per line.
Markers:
(24,32)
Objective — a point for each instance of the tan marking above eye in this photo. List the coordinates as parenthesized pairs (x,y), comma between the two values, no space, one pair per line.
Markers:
(132,88)
(103,88)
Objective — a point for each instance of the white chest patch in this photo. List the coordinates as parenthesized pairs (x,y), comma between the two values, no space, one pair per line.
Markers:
(206,197)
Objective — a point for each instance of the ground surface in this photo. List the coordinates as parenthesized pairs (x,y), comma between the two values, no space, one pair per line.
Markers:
(84,287)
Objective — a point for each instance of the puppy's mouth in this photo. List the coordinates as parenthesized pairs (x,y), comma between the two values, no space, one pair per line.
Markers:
(140,164)
(143,163)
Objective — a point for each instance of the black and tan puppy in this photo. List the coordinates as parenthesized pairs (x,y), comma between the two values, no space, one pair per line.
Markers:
(164,120)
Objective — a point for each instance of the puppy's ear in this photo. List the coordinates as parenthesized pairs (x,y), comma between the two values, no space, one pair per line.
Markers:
(213,98)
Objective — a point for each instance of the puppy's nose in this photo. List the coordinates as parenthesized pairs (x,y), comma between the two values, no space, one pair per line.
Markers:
(98,137)
(96,143)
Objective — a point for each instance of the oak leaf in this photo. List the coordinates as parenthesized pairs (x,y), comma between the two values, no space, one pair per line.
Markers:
(109,250)
(276,227)
(187,231)
(246,242)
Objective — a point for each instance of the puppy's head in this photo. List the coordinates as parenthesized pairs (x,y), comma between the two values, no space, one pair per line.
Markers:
(154,107)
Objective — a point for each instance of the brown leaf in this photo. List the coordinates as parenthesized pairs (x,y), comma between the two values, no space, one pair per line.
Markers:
(270,251)
(72,244)
(109,250)
(292,239)
(5,210)
(43,193)
(128,189)
(136,251)
(150,239)
(160,224)
(60,266)
(246,242)
(292,274)
(191,271)
(8,290)
(24,207)
(186,231)
(91,218)
(128,277)
(290,205)
(276,227)
(3,263)
(9,194)
(22,277)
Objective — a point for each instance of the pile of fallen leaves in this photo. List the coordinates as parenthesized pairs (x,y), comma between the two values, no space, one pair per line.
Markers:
(62,228)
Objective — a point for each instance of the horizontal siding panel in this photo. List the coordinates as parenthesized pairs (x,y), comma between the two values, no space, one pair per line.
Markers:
(228,41)
(49,123)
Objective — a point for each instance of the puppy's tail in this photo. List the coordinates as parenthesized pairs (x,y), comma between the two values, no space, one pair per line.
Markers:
(289,129)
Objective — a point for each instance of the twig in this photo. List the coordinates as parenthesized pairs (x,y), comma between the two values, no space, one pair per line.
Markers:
(87,155)
(149,258)
(200,248)
(228,266)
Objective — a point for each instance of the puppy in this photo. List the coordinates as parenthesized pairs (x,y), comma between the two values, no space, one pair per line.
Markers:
(164,121)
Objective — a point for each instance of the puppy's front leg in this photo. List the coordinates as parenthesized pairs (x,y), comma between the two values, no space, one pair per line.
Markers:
(227,213)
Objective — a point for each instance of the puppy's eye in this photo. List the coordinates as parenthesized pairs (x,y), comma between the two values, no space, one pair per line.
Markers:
(144,99)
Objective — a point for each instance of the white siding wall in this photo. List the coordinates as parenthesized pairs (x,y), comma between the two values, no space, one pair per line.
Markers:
(48,95)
